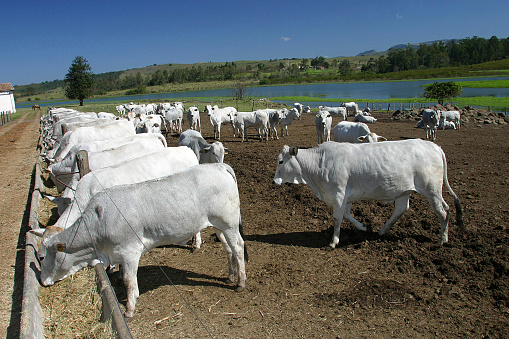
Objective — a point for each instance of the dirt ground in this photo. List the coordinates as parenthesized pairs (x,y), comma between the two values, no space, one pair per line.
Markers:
(402,285)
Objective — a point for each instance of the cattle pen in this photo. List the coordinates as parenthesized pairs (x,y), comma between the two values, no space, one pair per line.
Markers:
(401,285)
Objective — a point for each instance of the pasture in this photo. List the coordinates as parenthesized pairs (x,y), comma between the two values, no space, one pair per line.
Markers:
(401,285)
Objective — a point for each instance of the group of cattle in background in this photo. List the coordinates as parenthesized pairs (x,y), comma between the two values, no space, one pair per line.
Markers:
(104,216)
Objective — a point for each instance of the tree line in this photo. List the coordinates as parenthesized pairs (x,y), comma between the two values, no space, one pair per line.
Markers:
(467,51)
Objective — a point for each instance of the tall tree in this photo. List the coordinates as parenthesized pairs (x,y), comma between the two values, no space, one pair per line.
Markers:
(79,80)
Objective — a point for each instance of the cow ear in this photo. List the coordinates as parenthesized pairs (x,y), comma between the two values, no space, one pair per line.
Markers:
(59,246)
(226,150)
(317,115)
(294,150)
(382,139)
(362,138)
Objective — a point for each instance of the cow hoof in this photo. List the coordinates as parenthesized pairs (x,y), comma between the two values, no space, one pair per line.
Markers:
(196,250)
(329,248)
(240,289)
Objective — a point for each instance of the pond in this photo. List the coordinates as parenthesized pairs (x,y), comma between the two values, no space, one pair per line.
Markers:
(353,90)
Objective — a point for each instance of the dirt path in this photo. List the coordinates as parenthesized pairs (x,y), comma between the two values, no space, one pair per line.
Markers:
(18,153)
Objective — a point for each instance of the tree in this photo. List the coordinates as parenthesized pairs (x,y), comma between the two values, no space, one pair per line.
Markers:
(79,80)
(442,90)
(240,90)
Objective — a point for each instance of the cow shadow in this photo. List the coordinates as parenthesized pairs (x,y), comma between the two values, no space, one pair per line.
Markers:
(151,277)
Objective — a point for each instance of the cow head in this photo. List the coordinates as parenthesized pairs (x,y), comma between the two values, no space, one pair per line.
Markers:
(288,168)
(46,234)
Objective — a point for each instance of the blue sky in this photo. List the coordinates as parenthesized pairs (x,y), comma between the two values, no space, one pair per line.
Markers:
(41,38)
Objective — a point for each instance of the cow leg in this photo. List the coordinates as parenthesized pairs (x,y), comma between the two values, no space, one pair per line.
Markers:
(338,213)
(232,270)
(442,211)
(131,285)
(234,242)
(355,222)
(197,242)
(400,206)
(218,132)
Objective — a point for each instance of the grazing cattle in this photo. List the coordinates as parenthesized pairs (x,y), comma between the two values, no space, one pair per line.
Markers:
(351,107)
(306,109)
(430,121)
(323,122)
(193,118)
(258,119)
(335,111)
(453,116)
(205,152)
(116,233)
(342,173)
(219,116)
(115,129)
(364,118)
(354,132)
(101,154)
(36,107)
(145,167)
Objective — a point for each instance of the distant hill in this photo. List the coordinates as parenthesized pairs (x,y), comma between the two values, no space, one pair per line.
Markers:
(373,52)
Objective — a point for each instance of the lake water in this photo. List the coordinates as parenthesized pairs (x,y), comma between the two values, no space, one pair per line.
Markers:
(365,90)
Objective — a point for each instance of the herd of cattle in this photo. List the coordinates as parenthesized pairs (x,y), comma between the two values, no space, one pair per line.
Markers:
(104,216)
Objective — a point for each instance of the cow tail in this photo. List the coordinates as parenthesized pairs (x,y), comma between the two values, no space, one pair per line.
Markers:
(241,231)
(457,203)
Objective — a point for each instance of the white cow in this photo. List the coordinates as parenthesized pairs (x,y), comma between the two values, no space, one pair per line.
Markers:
(142,168)
(149,123)
(364,118)
(430,120)
(205,152)
(106,115)
(351,107)
(323,122)
(335,111)
(173,117)
(342,173)
(299,107)
(354,132)
(219,116)
(187,202)
(453,116)
(193,118)
(286,119)
(258,119)
(446,124)
(115,129)
(101,154)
